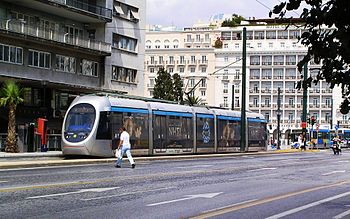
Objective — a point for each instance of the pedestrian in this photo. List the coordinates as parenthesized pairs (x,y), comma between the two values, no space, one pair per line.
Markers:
(124,146)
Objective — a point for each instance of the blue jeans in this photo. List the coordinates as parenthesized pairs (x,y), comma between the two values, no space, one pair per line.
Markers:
(128,154)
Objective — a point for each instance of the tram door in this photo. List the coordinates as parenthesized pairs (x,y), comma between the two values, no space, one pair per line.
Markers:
(159,133)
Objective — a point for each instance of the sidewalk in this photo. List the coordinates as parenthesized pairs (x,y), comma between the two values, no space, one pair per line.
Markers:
(55,158)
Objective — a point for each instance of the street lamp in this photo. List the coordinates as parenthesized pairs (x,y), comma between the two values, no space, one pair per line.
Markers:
(279,112)
(243,108)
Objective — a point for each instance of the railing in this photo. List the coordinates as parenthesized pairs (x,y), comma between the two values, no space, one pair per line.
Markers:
(21,27)
(53,142)
(95,9)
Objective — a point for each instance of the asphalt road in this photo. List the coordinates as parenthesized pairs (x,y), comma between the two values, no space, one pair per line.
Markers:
(300,185)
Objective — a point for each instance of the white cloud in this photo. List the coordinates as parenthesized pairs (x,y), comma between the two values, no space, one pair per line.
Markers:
(186,12)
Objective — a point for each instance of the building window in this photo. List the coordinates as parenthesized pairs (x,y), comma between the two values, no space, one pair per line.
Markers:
(151,70)
(65,63)
(255,102)
(171,70)
(11,54)
(226,58)
(124,43)
(39,59)
(126,11)
(225,102)
(203,93)
(182,69)
(193,70)
(191,82)
(122,74)
(89,68)
(204,69)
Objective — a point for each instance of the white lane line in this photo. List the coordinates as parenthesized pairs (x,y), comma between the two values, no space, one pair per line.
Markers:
(260,169)
(228,206)
(187,197)
(127,193)
(313,204)
(343,161)
(76,192)
(245,156)
(333,172)
(3,181)
(197,166)
(49,167)
(339,216)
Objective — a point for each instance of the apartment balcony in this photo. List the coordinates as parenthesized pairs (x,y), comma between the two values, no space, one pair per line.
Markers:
(278,63)
(181,62)
(290,77)
(192,62)
(268,77)
(170,63)
(73,9)
(18,29)
(203,62)
(266,63)
(254,77)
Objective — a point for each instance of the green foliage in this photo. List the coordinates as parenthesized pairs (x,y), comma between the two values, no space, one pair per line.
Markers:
(326,46)
(193,100)
(233,22)
(10,94)
(218,43)
(178,92)
(167,87)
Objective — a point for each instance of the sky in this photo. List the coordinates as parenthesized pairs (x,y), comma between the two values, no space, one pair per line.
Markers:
(184,13)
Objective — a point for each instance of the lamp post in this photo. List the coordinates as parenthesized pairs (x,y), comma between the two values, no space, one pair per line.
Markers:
(278,118)
(243,108)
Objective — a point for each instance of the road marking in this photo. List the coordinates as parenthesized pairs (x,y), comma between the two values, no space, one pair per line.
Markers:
(265,168)
(313,204)
(343,161)
(333,172)
(245,156)
(239,203)
(49,167)
(197,166)
(76,192)
(127,193)
(339,216)
(265,200)
(3,181)
(205,195)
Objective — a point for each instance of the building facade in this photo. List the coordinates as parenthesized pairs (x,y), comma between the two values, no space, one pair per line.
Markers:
(272,56)
(57,49)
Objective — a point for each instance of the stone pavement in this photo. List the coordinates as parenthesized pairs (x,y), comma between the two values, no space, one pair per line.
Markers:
(55,158)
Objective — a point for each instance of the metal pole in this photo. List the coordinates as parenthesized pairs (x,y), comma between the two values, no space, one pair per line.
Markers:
(233,97)
(304,104)
(243,108)
(278,118)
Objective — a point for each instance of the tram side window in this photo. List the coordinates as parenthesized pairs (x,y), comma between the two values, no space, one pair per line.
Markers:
(103,130)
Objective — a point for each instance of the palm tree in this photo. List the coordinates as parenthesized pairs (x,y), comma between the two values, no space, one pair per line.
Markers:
(11,96)
(192,100)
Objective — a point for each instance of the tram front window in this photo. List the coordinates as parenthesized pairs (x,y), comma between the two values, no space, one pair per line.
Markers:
(79,122)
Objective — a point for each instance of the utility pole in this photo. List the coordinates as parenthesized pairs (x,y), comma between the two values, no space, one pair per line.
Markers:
(243,107)
(304,123)
(233,97)
(278,118)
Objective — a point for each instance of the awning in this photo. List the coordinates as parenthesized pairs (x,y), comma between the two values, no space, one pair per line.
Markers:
(118,9)
(135,14)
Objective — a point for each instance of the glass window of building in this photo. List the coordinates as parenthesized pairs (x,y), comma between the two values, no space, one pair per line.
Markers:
(160,58)
(226,58)
(255,102)
(122,74)
(171,59)
(182,59)
(39,59)
(283,44)
(291,59)
(181,69)
(89,68)
(270,34)
(193,59)
(127,43)
(203,93)
(315,102)
(191,82)
(171,70)
(237,73)
(278,60)
(152,59)
(225,101)
(204,69)
(11,54)
(65,63)
(237,45)
(255,60)
(198,37)
(192,69)
(151,70)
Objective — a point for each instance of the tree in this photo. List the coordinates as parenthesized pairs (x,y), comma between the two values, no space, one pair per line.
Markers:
(327,37)
(178,92)
(233,22)
(163,87)
(11,96)
(218,43)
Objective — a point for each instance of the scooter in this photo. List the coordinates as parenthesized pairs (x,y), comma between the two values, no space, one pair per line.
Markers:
(336,148)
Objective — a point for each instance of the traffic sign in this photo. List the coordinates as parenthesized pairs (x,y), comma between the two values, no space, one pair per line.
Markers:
(303,124)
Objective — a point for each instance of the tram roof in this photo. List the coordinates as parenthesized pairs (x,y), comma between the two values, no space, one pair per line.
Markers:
(128,103)
(170,107)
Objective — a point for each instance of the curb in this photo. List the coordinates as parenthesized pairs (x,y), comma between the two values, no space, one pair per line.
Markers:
(60,161)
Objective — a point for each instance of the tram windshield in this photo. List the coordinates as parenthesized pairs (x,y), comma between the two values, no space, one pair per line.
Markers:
(80,118)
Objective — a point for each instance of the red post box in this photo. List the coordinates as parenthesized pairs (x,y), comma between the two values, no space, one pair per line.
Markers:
(42,131)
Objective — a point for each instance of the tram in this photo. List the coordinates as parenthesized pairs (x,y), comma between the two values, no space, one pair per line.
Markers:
(91,125)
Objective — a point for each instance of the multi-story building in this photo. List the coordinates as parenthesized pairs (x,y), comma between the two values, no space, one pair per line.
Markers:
(57,49)
(188,53)
(272,56)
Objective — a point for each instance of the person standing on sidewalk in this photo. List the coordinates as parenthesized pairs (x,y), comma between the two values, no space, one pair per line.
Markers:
(124,146)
